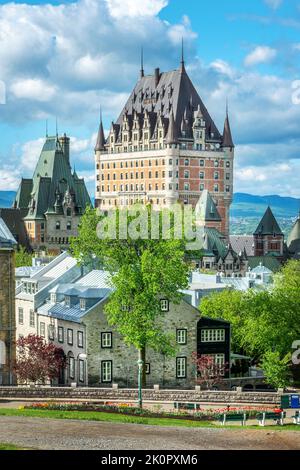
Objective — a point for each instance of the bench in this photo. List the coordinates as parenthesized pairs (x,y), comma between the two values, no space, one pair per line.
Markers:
(242,417)
(187,406)
(296,417)
(278,417)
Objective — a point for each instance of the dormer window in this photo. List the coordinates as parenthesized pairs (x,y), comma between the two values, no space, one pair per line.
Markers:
(53,298)
(67,301)
(82,304)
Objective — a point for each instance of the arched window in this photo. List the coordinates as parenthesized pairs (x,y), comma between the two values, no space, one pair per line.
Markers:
(2,353)
(69,212)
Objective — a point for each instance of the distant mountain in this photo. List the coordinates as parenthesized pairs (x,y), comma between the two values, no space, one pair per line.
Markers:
(7,198)
(248,205)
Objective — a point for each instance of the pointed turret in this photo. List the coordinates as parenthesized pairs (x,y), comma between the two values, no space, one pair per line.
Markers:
(293,241)
(100,137)
(182,65)
(172,133)
(227,137)
(206,209)
(268,224)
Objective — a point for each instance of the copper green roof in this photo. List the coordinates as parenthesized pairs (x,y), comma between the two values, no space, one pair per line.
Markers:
(293,241)
(212,242)
(268,225)
(206,209)
(270,262)
(52,177)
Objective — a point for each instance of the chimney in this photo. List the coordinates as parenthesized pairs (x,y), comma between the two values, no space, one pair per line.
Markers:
(65,144)
(157,76)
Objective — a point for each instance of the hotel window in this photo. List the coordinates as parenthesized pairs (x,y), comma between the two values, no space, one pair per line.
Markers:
(201,162)
(102,177)
(114,176)
(227,189)
(82,304)
(150,187)
(142,175)
(131,176)
(216,188)
(170,187)
(102,188)
(42,329)
(156,162)
(102,166)
(181,336)
(71,367)
(31,318)
(186,162)
(142,163)
(57,225)
(156,174)
(69,225)
(150,174)
(201,187)
(228,176)
(81,370)
(227,164)
(114,188)
(136,176)
(181,367)
(80,339)
(121,164)
(212,335)
(216,163)
(131,187)
(51,332)
(126,187)
(70,337)
(201,175)
(106,371)
(216,175)
(186,174)
(114,165)
(60,334)
(186,186)
(126,176)
(106,340)
(164,305)
(170,174)
(170,161)
(21,316)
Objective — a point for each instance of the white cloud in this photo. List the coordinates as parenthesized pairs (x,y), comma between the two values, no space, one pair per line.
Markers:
(135,8)
(30,152)
(33,89)
(273,3)
(260,55)
(9,178)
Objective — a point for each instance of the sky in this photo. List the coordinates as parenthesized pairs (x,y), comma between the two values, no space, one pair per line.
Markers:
(64,59)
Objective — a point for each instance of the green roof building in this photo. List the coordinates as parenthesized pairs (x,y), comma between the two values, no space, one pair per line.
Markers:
(54,199)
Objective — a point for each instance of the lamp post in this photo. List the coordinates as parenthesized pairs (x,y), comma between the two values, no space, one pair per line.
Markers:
(140,365)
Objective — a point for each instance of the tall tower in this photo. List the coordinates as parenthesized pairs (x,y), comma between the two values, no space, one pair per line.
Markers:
(165,147)
(7,305)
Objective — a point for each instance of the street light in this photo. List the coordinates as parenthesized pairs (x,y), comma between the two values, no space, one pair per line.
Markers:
(140,365)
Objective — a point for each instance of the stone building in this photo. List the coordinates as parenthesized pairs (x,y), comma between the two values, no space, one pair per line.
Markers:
(165,147)
(54,199)
(7,305)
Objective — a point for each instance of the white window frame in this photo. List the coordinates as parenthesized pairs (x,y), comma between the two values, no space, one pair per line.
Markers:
(164,305)
(106,340)
(42,329)
(31,318)
(82,303)
(21,316)
(106,371)
(213,335)
(181,366)
(181,336)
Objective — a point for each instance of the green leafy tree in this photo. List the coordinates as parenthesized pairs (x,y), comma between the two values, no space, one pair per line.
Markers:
(23,258)
(143,271)
(276,370)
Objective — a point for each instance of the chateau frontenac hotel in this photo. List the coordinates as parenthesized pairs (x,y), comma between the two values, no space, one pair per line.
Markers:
(165,147)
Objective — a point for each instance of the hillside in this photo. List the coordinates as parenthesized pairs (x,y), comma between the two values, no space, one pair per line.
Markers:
(248,205)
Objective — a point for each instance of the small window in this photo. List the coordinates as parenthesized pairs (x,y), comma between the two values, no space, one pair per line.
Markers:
(106,371)
(216,188)
(164,305)
(51,332)
(227,164)
(181,336)
(81,370)
(82,304)
(201,175)
(147,368)
(186,174)
(216,163)
(42,329)
(106,340)
(31,318)
(69,225)
(201,162)
(70,337)
(216,175)
(186,186)
(186,162)
(71,367)
(60,334)
(215,335)
(201,187)
(21,316)
(53,298)
(80,339)
(68,301)
(181,367)
(57,225)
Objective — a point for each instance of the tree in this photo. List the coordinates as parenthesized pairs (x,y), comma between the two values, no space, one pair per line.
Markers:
(23,258)
(208,371)
(143,272)
(276,370)
(37,360)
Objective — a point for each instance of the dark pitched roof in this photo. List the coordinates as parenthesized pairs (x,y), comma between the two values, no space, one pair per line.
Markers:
(100,138)
(166,92)
(52,173)
(6,238)
(172,131)
(293,241)
(13,218)
(268,225)
(206,209)
(227,137)
(243,242)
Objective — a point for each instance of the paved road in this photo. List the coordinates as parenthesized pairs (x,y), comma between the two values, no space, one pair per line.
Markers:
(58,434)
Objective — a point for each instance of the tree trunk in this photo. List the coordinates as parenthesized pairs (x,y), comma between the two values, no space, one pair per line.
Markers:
(142,356)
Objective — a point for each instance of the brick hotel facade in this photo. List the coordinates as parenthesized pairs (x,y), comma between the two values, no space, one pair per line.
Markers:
(165,148)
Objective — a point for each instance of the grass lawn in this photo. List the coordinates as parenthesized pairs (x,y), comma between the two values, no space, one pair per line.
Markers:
(119,418)
(4,446)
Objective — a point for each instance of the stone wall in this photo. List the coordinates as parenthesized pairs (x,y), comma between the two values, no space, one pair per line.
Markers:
(108,394)
(7,311)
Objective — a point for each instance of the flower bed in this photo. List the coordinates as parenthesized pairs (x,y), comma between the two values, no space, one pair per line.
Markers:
(211,414)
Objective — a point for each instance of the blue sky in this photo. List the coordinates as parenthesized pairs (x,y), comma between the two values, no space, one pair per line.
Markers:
(62,59)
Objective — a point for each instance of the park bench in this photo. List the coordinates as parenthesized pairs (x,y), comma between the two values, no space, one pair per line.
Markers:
(296,417)
(278,417)
(186,406)
(225,418)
